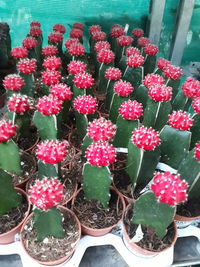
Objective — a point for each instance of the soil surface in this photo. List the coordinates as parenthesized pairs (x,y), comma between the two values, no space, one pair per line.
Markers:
(189,209)
(25,143)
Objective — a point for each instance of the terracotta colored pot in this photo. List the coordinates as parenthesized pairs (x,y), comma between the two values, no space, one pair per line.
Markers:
(63,259)
(182,221)
(100,232)
(9,237)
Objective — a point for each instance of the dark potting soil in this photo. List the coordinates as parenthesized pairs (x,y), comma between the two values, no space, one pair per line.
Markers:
(189,209)
(91,213)
(12,218)
(25,143)
(51,248)
(150,241)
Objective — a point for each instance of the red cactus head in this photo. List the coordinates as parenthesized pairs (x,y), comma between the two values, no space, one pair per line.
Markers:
(71,41)
(100,154)
(180,120)
(162,63)
(19,52)
(101,45)
(146,138)
(76,50)
(152,79)
(35,31)
(35,23)
(135,61)
(137,33)
(59,28)
(143,41)
(113,74)
(160,93)
(49,105)
(98,36)
(85,104)
(19,103)
(26,65)
(46,193)
(61,91)
(191,88)
(151,49)
(76,66)
(78,25)
(124,40)
(123,88)
(55,37)
(51,77)
(13,82)
(169,188)
(29,43)
(131,110)
(172,72)
(83,80)
(105,56)
(197,151)
(196,105)
(51,151)
(76,33)
(94,28)
(132,51)
(101,130)
(49,51)
(52,63)
(117,31)
(7,130)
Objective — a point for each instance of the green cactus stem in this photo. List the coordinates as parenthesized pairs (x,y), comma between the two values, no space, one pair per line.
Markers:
(96,183)
(122,64)
(81,124)
(109,92)
(156,114)
(119,54)
(140,94)
(53,219)
(102,79)
(174,145)
(195,130)
(175,85)
(114,107)
(23,122)
(28,88)
(149,64)
(134,76)
(181,102)
(78,91)
(48,170)
(124,130)
(86,142)
(159,219)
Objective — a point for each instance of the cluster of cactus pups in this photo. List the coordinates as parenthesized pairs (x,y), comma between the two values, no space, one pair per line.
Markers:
(148,113)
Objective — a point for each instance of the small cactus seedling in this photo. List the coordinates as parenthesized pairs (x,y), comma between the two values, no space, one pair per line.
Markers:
(19,52)
(150,52)
(137,33)
(73,68)
(123,42)
(83,83)
(52,63)
(161,64)
(49,51)
(76,33)
(130,51)
(13,83)
(175,138)
(127,121)
(143,155)
(59,28)
(45,195)
(30,43)
(56,38)
(77,51)
(195,129)
(96,174)
(157,209)
(49,78)
(115,32)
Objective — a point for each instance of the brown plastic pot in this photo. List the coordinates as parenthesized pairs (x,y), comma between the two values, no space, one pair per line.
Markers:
(9,237)
(103,231)
(63,259)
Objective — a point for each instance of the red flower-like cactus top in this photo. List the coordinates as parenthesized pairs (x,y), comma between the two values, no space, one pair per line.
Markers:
(101,45)
(78,25)
(76,50)
(51,151)
(85,104)
(132,51)
(124,40)
(145,138)
(55,37)
(169,188)
(160,93)
(197,151)
(151,49)
(83,80)
(152,79)
(105,56)
(191,88)
(35,31)
(19,103)
(76,33)
(143,41)
(98,36)
(29,43)
(13,82)
(51,77)
(49,51)
(19,52)
(123,88)
(35,23)
(196,105)
(61,91)
(49,105)
(162,63)
(172,72)
(7,130)
(52,63)
(135,61)
(117,31)
(180,120)
(113,74)
(76,66)
(131,110)
(101,130)
(26,65)
(59,28)
(100,154)
(46,193)
(71,41)
(94,28)
(137,33)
